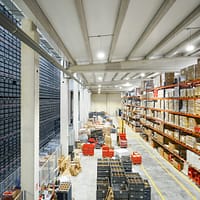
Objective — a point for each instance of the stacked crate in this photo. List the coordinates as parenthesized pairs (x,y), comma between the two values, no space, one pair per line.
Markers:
(138,187)
(126,163)
(49,101)
(102,187)
(10,61)
(64,192)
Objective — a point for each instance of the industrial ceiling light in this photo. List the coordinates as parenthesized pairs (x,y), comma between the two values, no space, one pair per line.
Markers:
(142,74)
(100,78)
(190,48)
(100,55)
(127,84)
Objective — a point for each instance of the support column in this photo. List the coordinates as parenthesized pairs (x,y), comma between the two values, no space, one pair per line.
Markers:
(82,104)
(75,109)
(64,114)
(30,116)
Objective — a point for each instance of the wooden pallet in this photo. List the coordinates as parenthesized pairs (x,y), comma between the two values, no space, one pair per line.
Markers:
(110,195)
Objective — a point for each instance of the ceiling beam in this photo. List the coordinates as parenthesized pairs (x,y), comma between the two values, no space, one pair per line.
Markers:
(34,7)
(184,23)
(153,65)
(111,83)
(94,77)
(83,24)
(84,78)
(104,76)
(118,24)
(125,75)
(166,5)
(196,52)
(115,75)
(183,43)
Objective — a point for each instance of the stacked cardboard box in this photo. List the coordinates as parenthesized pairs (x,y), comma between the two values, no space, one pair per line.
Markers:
(190,141)
(197,106)
(184,121)
(197,90)
(191,123)
(183,138)
(176,120)
(167,78)
(197,71)
(172,146)
(191,73)
(176,134)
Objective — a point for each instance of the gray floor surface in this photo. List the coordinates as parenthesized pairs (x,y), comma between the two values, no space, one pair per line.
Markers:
(166,182)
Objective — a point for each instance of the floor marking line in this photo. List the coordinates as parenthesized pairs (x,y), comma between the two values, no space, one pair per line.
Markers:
(169,173)
(181,174)
(152,182)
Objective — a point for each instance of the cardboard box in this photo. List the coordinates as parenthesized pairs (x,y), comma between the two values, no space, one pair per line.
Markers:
(176,135)
(166,156)
(182,138)
(190,141)
(172,146)
(160,138)
(161,151)
(191,73)
(167,78)
(183,74)
(197,71)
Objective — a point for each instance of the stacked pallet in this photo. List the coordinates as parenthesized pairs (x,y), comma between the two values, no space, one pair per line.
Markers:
(125,185)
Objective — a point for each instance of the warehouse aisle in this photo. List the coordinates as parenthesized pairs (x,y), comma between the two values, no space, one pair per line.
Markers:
(167,183)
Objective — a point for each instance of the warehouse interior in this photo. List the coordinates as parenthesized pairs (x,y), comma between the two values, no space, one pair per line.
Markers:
(81,74)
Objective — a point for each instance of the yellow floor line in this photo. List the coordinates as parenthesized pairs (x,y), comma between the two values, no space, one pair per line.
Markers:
(186,179)
(153,183)
(170,174)
(183,176)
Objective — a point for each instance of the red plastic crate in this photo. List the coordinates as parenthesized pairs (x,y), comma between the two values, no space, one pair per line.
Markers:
(136,158)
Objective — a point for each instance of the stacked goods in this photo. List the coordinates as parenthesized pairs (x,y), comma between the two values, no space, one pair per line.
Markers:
(88,149)
(138,188)
(107,152)
(122,140)
(125,185)
(126,163)
(63,163)
(167,78)
(11,194)
(108,140)
(103,168)
(102,187)
(64,192)
(136,158)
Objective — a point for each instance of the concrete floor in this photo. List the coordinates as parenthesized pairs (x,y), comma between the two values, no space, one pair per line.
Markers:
(166,182)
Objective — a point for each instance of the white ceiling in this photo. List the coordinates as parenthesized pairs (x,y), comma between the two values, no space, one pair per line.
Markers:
(135,30)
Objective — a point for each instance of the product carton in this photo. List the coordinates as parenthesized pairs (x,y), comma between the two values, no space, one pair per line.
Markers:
(183,74)
(167,78)
(191,73)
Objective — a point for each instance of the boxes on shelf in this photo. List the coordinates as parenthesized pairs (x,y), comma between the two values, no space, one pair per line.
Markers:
(197,71)
(176,134)
(190,141)
(183,74)
(197,106)
(161,151)
(172,146)
(191,73)
(167,78)
(197,90)
(166,155)
(191,123)
(160,138)
(182,138)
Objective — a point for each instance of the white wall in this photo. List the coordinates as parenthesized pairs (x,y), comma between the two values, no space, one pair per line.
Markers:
(106,102)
